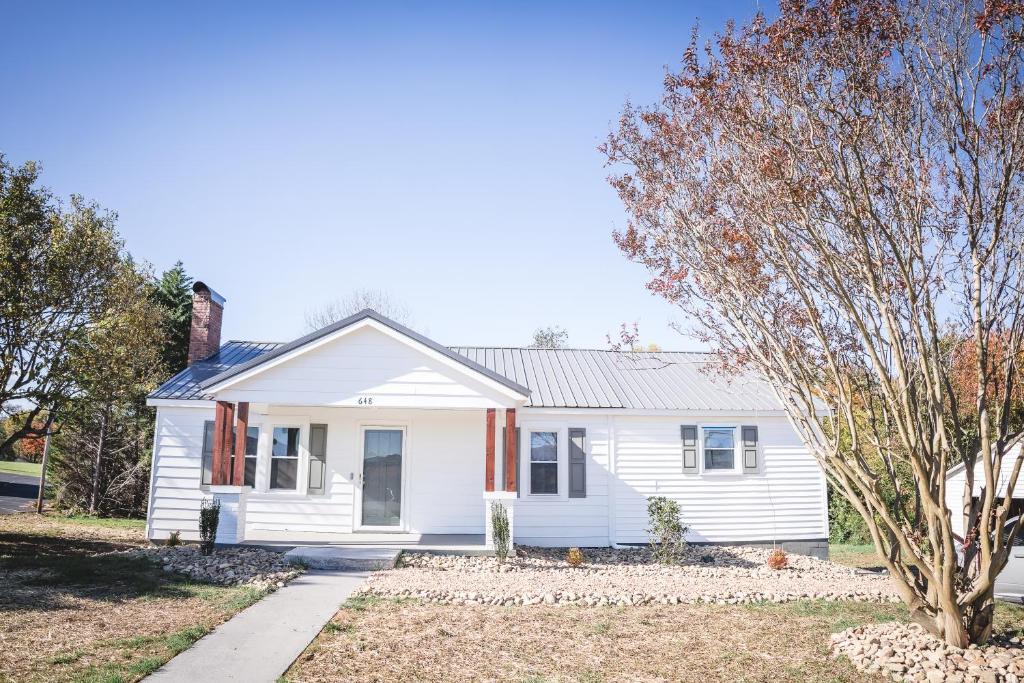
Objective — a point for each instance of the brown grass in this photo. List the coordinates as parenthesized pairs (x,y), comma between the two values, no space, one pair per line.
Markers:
(385,640)
(68,614)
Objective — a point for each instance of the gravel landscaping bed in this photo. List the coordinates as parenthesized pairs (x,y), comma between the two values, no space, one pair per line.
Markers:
(906,652)
(705,574)
(226,566)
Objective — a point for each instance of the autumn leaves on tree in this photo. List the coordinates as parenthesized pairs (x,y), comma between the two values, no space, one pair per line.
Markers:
(835,197)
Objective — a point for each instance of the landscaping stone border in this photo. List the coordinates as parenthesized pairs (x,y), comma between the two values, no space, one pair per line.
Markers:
(227,566)
(906,652)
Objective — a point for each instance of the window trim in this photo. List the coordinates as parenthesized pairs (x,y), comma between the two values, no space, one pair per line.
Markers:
(300,448)
(737,454)
(561,453)
(357,498)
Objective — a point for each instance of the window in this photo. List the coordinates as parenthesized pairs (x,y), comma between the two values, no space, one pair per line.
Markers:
(252,439)
(719,448)
(207,475)
(544,462)
(284,458)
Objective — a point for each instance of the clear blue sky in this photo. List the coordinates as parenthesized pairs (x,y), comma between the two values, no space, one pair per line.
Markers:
(289,153)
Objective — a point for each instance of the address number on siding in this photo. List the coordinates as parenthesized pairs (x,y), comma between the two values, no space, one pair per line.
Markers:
(365,401)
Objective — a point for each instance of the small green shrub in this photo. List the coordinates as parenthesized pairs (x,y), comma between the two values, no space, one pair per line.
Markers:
(667,530)
(209,517)
(174,539)
(500,530)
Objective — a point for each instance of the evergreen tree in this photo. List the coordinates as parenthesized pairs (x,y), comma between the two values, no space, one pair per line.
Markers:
(173,293)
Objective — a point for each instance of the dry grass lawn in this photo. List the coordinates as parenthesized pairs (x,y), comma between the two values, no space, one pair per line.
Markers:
(375,639)
(381,639)
(68,614)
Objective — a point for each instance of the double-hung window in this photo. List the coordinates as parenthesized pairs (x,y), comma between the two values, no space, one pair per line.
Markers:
(207,457)
(719,448)
(544,462)
(252,440)
(284,458)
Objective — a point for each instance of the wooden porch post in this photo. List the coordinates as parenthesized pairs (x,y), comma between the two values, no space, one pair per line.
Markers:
(238,475)
(511,475)
(489,452)
(223,421)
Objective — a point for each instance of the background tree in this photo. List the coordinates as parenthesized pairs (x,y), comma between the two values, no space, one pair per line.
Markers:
(552,337)
(339,309)
(833,196)
(56,265)
(173,292)
(101,457)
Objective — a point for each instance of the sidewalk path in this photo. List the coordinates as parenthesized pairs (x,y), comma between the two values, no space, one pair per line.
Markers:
(260,643)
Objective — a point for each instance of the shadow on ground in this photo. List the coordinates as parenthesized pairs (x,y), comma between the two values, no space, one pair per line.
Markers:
(47,572)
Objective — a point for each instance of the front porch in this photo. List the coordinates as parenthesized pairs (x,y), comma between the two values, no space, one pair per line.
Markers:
(397,478)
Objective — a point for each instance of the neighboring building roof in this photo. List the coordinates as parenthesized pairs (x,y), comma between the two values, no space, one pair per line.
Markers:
(589,378)
(186,384)
(553,378)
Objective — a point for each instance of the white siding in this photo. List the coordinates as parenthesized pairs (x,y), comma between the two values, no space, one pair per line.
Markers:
(444,473)
(559,520)
(365,363)
(177,451)
(785,500)
(956,482)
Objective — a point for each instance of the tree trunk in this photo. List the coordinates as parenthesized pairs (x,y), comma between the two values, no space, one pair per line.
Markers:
(97,469)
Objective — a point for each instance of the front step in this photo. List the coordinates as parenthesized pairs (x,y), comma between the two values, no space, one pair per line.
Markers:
(343,557)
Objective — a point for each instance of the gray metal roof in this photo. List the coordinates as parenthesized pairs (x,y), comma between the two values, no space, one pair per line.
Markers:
(590,378)
(554,378)
(186,384)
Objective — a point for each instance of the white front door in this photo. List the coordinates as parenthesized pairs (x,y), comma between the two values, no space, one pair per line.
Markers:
(382,478)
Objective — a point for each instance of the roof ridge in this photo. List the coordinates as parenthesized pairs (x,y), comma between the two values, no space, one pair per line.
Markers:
(572,348)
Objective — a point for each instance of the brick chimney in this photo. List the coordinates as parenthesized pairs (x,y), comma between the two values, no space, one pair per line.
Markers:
(207,314)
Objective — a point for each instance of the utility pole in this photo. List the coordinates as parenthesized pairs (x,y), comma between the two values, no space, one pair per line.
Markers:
(42,473)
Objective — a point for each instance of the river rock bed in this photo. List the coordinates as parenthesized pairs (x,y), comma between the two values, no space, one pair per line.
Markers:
(906,652)
(225,567)
(723,575)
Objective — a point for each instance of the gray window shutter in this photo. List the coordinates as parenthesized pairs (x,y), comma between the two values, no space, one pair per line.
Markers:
(688,434)
(749,434)
(207,460)
(317,459)
(577,463)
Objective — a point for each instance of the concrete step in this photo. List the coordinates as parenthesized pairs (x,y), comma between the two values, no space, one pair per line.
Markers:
(343,557)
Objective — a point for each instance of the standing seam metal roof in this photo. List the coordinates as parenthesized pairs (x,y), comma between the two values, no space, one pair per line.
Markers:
(556,378)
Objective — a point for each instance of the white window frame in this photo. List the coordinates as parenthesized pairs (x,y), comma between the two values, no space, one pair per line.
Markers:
(561,431)
(299,458)
(737,453)
(259,440)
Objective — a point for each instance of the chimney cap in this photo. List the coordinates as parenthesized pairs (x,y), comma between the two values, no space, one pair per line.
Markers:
(200,286)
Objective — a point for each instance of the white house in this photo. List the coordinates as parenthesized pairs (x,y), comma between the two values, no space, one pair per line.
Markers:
(365,427)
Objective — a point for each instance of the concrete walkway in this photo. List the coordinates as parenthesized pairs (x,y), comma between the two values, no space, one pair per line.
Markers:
(261,642)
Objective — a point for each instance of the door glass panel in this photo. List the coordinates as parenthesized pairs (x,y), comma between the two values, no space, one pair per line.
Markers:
(382,477)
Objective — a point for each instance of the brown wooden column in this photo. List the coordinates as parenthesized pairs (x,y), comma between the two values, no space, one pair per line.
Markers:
(511,448)
(489,452)
(223,421)
(242,426)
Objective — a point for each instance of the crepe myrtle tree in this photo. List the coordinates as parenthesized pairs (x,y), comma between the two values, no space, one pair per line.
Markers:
(834,196)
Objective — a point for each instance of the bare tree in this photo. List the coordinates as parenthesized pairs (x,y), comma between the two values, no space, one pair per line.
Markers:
(339,309)
(834,196)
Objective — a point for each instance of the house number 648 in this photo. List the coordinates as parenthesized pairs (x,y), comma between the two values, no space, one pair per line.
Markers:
(365,401)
